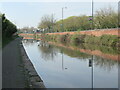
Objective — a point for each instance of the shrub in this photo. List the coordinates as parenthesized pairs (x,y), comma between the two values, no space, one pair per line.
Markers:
(76,39)
(89,39)
(109,40)
(64,38)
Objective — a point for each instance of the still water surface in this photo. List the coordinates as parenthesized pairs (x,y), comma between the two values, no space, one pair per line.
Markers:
(64,68)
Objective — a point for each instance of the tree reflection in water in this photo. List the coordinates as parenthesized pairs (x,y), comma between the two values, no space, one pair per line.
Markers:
(48,51)
(99,61)
(106,64)
(28,42)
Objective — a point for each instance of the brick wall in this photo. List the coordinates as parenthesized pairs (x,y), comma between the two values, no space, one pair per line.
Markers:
(92,32)
(89,32)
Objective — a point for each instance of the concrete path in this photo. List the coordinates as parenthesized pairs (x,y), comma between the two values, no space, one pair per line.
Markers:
(12,66)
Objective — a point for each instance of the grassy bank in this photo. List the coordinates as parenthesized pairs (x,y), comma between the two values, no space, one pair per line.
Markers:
(76,39)
(6,40)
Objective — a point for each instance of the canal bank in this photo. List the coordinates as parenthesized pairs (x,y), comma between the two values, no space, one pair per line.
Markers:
(101,37)
(17,70)
(34,79)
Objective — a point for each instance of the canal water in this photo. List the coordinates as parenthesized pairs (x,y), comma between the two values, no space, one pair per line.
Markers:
(62,67)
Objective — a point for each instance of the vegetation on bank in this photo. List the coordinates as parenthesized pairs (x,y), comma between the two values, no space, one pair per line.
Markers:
(8,29)
(77,39)
(49,51)
(76,42)
(103,49)
(103,18)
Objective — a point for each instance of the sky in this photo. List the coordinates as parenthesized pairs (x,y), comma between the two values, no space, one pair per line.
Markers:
(29,13)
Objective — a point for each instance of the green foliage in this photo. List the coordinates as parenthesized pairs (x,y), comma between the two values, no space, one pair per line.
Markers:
(106,40)
(109,40)
(76,39)
(104,49)
(47,23)
(106,18)
(64,38)
(103,18)
(6,40)
(8,28)
(73,53)
(73,23)
(92,39)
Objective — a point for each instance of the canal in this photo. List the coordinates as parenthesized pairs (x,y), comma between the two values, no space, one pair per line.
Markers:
(62,66)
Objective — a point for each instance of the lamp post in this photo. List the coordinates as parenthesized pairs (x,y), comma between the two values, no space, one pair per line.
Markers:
(118,33)
(62,18)
(92,15)
(92,55)
(52,23)
(119,15)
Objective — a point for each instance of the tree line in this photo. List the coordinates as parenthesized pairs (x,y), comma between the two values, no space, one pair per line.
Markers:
(27,29)
(103,18)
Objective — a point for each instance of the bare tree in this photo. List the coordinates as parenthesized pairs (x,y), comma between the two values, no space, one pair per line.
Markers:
(47,22)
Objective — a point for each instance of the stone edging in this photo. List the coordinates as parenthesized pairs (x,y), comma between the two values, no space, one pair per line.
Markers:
(34,80)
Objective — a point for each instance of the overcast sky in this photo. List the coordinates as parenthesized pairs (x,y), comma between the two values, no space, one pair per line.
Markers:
(30,13)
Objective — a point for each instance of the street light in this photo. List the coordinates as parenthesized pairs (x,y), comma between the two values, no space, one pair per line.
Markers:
(118,32)
(92,15)
(62,17)
(92,55)
(119,15)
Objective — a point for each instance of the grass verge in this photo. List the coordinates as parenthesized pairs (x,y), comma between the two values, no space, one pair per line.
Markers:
(6,40)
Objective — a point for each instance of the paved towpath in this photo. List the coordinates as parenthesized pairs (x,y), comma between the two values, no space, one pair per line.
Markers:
(12,66)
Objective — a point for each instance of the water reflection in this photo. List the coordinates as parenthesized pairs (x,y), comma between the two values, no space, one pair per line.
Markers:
(63,66)
(48,51)
(28,42)
(106,64)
